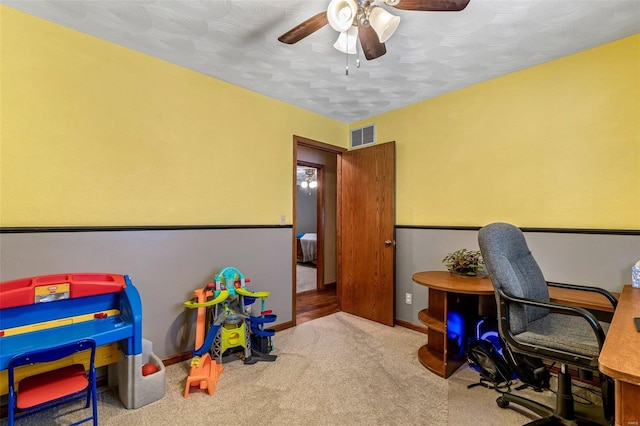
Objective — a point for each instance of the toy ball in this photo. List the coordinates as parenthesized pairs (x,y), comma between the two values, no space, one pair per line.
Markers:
(149,368)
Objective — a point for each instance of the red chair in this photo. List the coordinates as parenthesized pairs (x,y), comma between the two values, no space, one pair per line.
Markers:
(52,388)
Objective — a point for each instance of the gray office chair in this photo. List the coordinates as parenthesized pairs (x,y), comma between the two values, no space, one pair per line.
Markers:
(532,325)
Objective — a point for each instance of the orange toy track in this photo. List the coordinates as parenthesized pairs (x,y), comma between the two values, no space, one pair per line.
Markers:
(204,373)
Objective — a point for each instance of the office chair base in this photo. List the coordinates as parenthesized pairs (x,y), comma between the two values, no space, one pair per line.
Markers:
(549,417)
(558,421)
(563,414)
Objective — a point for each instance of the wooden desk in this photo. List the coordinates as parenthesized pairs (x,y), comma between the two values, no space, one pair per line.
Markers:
(583,299)
(620,357)
(449,293)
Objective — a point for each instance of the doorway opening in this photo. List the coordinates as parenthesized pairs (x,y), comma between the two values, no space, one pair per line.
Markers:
(315,229)
(309,227)
(364,244)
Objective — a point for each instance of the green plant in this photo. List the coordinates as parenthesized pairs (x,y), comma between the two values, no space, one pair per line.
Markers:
(465,262)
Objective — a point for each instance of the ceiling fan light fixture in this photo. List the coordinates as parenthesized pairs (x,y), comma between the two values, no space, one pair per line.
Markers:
(347,40)
(375,24)
(383,23)
(309,182)
(341,14)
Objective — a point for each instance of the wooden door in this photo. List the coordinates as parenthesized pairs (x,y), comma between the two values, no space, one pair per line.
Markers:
(366,248)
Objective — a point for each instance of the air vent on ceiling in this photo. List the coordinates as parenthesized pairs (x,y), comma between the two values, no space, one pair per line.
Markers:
(363,136)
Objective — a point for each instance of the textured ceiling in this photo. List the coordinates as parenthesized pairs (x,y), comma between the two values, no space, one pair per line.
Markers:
(431,53)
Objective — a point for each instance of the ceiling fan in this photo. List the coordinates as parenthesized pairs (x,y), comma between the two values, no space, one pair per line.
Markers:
(366,21)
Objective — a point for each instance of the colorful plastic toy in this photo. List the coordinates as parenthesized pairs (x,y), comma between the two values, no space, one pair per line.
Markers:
(204,373)
(231,328)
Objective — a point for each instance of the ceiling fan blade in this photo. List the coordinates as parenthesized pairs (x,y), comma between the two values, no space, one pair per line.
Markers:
(431,5)
(309,26)
(371,46)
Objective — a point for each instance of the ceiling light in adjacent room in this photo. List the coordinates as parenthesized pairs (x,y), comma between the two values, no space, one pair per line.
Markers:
(309,182)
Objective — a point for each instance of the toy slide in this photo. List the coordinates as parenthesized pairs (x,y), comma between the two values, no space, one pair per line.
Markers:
(208,341)
(204,373)
(201,304)
(254,294)
(257,325)
(261,338)
(222,296)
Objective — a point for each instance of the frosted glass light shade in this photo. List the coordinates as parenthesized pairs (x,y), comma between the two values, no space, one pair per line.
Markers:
(383,23)
(346,42)
(341,14)
(304,184)
(313,184)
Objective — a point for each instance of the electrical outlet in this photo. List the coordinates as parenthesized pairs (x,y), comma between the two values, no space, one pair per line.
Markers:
(408,298)
(283,219)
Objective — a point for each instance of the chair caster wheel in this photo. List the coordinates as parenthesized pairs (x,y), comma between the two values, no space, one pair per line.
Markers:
(502,403)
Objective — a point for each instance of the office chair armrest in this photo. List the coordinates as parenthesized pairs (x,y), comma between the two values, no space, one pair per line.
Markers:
(610,297)
(557,308)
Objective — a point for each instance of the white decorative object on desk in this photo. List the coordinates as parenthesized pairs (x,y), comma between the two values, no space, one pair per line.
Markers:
(635,275)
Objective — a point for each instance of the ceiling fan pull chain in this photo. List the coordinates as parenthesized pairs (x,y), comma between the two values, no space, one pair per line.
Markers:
(346,55)
(346,70)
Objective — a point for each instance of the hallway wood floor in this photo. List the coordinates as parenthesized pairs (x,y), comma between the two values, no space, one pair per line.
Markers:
(315,304)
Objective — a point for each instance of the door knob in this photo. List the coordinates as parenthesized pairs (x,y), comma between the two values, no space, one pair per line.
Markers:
(389,242)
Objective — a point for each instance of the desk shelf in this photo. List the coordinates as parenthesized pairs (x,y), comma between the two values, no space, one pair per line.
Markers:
(437,355)
(433,361)
(448,294)
(432,323)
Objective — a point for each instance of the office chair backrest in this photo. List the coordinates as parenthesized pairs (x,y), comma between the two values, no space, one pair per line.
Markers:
(513,269)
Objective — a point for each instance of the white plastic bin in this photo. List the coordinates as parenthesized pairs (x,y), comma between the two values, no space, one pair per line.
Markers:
(136,390)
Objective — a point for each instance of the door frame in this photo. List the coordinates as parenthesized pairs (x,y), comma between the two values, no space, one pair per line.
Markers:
(321,146)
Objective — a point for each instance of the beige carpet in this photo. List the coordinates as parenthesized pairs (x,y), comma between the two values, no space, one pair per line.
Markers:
(336,370)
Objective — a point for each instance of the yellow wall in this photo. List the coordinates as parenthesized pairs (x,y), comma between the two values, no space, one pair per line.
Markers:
(97,134)
(555,145)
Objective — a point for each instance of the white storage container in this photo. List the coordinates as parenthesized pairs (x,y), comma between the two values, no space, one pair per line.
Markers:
(136,390)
